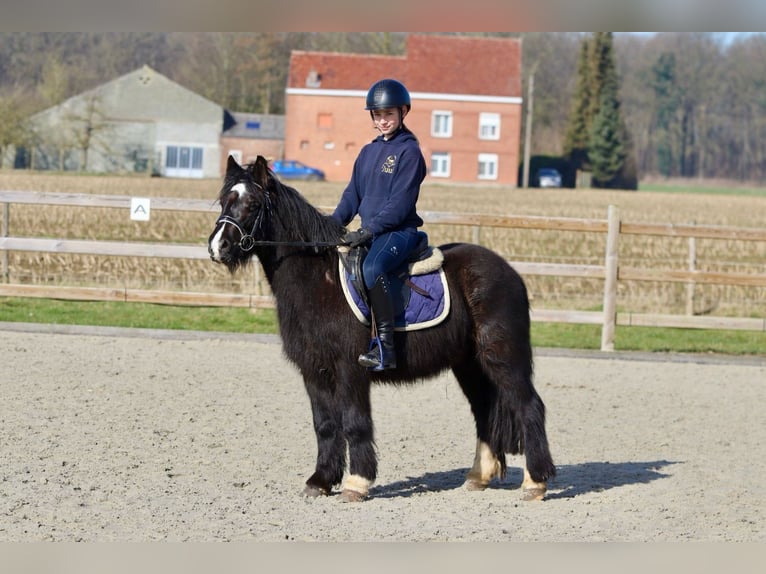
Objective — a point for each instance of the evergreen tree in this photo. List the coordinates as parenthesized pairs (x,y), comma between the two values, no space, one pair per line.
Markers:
(576,140)
(605,142)
(667,100)
(603,69)
(597,137)
(605,146)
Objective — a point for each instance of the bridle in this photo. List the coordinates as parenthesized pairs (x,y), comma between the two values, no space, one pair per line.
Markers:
(247,241)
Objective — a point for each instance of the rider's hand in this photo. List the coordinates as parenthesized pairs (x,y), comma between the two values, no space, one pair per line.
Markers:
(357,238)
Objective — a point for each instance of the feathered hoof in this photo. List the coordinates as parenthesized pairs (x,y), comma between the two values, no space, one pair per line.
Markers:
(475,485)
(347,495)
(312,491)
(530,494)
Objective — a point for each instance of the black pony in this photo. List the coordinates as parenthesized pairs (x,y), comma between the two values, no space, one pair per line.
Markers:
(484,340)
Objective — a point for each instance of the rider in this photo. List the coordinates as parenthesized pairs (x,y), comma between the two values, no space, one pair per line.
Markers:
(383,190)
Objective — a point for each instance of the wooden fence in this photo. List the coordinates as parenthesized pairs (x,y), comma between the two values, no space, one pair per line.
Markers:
(611,272)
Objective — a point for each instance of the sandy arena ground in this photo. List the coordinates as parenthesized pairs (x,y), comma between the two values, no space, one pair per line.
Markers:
(133,435)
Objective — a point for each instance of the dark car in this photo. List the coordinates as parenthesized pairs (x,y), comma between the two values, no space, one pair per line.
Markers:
(291,169)
(548,177)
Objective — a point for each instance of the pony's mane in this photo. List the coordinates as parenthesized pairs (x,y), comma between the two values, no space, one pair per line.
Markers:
(290,214)
(293,214)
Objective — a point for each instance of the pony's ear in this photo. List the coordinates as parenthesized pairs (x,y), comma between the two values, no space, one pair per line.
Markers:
(260,171)
(232,165)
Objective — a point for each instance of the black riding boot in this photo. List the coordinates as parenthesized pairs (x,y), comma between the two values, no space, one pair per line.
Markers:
(382,354)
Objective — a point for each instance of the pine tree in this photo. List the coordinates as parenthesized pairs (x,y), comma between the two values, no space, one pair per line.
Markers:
(668,101)
(597,137)
(576,140)
(605,148)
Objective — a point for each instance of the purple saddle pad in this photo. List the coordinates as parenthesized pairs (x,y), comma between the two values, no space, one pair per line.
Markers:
(414,312)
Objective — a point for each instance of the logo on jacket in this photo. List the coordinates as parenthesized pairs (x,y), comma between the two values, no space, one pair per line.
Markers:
(388,165)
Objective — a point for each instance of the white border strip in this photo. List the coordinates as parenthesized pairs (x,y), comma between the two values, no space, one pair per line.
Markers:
(409,327)
(413,95)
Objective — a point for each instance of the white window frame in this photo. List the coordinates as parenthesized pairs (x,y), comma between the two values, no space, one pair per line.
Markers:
(487,166)
(489,126)
(441,124)
(441,164)
(184,160)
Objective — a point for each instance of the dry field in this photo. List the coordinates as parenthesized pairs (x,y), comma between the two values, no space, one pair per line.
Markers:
(518,245)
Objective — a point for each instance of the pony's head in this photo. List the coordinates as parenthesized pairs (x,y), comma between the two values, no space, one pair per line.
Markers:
(245,200)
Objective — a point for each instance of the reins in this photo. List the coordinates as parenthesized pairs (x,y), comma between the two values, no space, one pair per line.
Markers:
(247,241)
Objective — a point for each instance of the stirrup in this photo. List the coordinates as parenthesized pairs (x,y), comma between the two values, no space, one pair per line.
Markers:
(375,361)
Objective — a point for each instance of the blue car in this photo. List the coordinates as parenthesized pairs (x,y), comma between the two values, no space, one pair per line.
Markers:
(549,177)
(291,169)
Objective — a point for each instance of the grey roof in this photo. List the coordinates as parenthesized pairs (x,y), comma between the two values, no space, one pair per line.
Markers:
(256,126)
(142,95)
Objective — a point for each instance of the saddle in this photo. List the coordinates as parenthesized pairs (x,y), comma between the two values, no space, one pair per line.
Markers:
(419,287)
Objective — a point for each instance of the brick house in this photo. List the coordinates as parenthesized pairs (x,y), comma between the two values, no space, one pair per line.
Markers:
(466,106)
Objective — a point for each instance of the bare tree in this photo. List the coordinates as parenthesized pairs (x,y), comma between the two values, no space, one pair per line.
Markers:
(13,129)
(87,128)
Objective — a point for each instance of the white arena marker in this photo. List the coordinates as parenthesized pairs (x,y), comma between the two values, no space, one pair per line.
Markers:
(140,208)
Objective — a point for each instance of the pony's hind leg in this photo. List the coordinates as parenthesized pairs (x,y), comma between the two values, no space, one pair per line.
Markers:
(517,420)
(510,416)
(486,467)
(478,389)
(531,489)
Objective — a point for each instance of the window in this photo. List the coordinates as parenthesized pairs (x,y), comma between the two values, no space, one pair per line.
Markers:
(196,159)
(171,158)
(183,161)
(184,155)
(441,124)
(489,126)
(487,166)
(440,164)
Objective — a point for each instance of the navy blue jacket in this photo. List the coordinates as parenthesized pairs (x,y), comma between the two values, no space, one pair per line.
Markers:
(385,185)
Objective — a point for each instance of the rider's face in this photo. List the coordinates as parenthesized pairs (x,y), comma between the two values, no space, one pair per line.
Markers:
(388,120)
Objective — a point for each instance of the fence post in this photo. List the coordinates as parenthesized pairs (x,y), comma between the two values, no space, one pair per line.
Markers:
(4,233)
(610,280)
(691,284)
(476,235)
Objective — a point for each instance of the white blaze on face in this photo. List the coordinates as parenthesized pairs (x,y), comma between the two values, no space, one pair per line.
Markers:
(215,242)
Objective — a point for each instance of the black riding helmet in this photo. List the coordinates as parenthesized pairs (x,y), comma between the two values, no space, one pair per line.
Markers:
(387,93)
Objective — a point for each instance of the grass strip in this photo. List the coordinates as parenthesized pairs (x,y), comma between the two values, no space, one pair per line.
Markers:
(239,320)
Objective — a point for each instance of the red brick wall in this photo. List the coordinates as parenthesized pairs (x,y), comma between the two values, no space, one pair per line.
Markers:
(334,149)
(251,148)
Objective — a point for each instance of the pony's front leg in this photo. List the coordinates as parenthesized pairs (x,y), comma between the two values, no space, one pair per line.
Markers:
(331,445)
(358,431)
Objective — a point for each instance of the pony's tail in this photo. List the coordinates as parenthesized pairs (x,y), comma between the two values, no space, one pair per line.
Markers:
(516,421)
(518,427)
